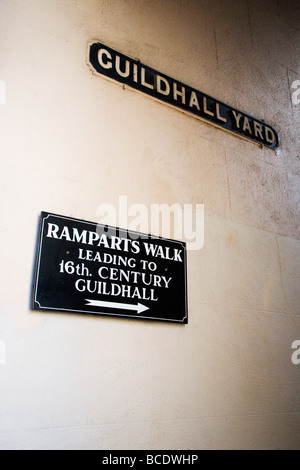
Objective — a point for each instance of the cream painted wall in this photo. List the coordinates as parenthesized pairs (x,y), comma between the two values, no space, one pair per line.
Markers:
(70,141)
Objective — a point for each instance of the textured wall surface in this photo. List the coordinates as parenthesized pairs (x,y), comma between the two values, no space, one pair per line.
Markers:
(71,140)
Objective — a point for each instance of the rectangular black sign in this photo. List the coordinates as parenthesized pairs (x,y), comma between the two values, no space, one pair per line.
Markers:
(85,267)
(131,72)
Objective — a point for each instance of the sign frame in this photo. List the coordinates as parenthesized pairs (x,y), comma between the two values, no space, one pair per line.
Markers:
(56,271)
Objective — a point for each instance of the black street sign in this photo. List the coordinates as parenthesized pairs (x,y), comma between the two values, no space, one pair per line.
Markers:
(84,267)
(121,68)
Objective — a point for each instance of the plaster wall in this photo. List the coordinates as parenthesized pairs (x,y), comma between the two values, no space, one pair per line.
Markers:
(70,141)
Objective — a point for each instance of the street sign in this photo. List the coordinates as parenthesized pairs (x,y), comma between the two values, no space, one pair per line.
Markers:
(84,267)
(105,61)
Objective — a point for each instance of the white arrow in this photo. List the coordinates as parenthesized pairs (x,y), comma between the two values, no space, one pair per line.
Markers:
(139,308)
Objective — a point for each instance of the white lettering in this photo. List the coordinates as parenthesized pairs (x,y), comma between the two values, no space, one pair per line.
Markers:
(2,353)
(296,93)
(118,67)
(270,136)
(100,270)
(165,459)
(111,460)
(296,354)
(166,90)
(79,286)
(177,93)
(79,238)
(258,130)
(143,79)
(246,126)
(237,117)
(167,218)
(2,92)
(195,237)
(194,101)
(158,251)
(52,231)
(65,234)
(221,118)
(205,110)
(93,237)
(105,65)
(173,221)
(135,73)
